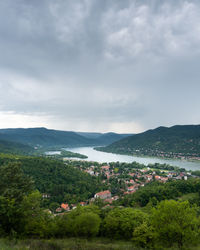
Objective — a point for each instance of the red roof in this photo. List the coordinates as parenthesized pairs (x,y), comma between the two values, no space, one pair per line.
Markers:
(65,206)
(103,192)
(82,203)
(105,167)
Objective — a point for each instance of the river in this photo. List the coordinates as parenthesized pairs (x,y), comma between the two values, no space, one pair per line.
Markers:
(101,157)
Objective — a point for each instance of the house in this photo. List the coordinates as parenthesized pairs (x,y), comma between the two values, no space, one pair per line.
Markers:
(131,188)
(105,168)
(149,177)
(82,203)
(46,196)
(163,179)
(103,195)
(73,206)
(58,210)
(65,206)
(116,197)
(89,171)
(157,177)
(108,200)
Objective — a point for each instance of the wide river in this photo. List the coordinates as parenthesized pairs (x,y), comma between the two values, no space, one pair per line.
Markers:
(101,157)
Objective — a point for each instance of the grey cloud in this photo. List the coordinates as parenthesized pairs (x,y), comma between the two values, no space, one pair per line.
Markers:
(109,62)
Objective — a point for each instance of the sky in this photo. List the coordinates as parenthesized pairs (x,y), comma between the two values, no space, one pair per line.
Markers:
(99,65)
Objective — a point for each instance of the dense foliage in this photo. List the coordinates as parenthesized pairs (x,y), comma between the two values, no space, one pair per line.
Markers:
(62,182)
(165,225)
(156,192)
(156,216)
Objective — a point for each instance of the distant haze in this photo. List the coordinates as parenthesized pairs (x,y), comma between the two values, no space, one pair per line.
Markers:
(99,65)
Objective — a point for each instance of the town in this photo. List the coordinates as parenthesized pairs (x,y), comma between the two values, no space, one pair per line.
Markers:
(121,179)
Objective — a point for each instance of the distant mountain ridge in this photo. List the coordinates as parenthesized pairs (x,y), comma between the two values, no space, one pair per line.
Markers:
(48,137)
(179,140)
(104,138)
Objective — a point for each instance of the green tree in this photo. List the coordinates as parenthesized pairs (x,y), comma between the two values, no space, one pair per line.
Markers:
(34,219)
(53,206)
(143,235)
(175,222)
(120,223)
(14,185)
(87,224)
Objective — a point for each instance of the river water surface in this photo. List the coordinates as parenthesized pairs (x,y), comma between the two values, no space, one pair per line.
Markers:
(101,157)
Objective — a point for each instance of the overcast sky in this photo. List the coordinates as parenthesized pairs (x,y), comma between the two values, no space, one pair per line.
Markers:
(99,65)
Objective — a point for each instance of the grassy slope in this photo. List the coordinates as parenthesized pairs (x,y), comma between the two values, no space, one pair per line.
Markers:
(72,244)
(67,244)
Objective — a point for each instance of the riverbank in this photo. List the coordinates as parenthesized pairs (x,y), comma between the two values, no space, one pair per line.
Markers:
(101,157)
(188,159)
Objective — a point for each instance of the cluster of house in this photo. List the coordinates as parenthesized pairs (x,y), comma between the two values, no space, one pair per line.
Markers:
(139,178)
(175,155)
(106,196)
(66,207)
(91,171)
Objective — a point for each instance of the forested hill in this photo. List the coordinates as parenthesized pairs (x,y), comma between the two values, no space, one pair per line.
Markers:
(49,137)
(9,147)
(182,140)
(104,138)
(43,137)
(61,181)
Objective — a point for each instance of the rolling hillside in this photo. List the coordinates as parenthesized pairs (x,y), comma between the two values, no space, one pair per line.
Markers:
(55,138)
(180,140)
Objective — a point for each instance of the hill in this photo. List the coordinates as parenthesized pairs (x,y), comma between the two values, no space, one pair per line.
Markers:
(44,137)
(52,138)
(104,138)
(61,181)
(9,147)
(177,141)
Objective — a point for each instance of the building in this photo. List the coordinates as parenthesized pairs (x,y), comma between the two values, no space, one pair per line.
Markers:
(59,210)
(65,206)
(103,195)
(82,203)
(105,168)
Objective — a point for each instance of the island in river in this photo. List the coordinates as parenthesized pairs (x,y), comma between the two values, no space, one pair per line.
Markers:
(65,154)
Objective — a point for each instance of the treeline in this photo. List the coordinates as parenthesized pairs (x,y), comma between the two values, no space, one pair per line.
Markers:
(168,223)
(65,153)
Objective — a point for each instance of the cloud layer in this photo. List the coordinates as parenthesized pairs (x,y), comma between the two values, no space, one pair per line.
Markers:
(99,65)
